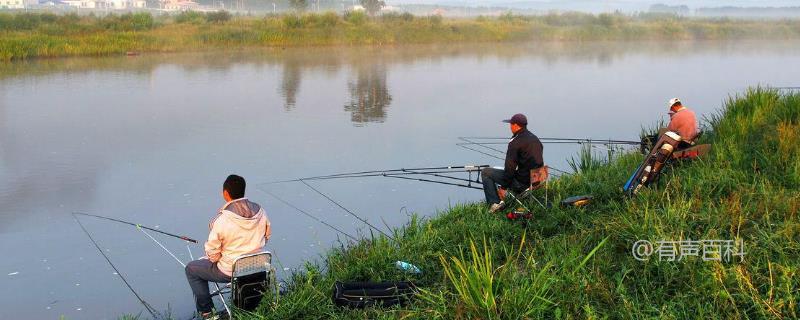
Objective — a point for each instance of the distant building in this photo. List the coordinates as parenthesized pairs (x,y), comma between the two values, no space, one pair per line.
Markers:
(85,4)
(180,5)
(126,4)
(355,8)
(12,4)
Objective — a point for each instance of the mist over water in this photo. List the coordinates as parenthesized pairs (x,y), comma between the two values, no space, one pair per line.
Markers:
(150,139)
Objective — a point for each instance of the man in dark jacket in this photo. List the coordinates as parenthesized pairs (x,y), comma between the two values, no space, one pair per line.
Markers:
(524,153)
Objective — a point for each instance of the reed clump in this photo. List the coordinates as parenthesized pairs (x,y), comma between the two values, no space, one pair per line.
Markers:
(28,35)
(572,262)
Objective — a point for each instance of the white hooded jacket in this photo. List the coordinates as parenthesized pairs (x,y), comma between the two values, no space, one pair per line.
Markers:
(240,227)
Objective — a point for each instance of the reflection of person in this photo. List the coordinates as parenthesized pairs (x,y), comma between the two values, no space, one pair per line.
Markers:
(524,153)
(240,227)
(682,121)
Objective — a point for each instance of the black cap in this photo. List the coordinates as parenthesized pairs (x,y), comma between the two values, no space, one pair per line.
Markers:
(518,118)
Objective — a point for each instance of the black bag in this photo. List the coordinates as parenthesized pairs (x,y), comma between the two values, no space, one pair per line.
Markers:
(247,290)
(367,294)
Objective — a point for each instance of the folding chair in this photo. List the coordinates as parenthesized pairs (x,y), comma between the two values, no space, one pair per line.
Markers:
(253,275)
(538,180)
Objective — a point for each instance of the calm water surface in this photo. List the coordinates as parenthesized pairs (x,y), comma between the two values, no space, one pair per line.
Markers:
(151,138)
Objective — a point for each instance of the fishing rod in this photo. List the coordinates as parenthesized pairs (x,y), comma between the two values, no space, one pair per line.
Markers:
(185,238)
(438,173)
(146,305)
(434,181)
(471,140)
(465,146)
(443,175)
(377,173)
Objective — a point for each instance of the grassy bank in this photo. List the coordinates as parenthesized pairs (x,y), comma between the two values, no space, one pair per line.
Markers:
(46,35)
(577,263)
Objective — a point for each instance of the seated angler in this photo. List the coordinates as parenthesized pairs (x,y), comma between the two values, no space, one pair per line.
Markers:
(240,227)
(682,121)
(523,155)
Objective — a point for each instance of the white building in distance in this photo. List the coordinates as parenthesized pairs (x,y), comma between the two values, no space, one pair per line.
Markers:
(105,4)
(12,4)
(126,4)
(85,4)
(180,5)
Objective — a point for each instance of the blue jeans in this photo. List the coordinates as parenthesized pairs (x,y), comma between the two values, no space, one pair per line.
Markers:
(200,273)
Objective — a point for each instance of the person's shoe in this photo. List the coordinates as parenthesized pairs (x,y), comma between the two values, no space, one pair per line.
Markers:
(495,207)
(210,316)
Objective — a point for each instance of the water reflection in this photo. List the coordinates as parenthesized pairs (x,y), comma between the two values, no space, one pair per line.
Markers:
(369,94)
(290,83)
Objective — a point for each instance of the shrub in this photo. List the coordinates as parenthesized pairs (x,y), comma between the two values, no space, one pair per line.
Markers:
(328,19)
(221,16)
(129,22)
(355,17)
(293,21)
(190,17)
(394,16)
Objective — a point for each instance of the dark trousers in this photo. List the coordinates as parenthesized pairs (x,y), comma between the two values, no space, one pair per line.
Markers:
(200,273)
(491,177)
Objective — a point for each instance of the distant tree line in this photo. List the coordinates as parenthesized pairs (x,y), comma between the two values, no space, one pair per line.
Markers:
(749,11)
(727,11)
(663,8)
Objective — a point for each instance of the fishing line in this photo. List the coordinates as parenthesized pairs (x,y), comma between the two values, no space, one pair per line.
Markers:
(308,214)
(147,306)
(484,145)
(465,146)
(163,247)
(345,209)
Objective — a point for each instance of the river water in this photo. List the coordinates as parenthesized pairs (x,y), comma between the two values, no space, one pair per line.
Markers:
(151,138)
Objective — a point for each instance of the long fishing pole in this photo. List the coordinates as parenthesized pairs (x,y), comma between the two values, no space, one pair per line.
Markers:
(560,141)
(393,172)
(463,145)
(434,181)
(376,173)
(185,238)
(308,214)
(348,210)
(146,305)
(443,175)
(556,139)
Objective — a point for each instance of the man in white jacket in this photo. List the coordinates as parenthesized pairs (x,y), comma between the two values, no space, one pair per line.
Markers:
(240,227)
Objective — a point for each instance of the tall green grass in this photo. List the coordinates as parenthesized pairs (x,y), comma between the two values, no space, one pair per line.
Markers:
(576,262)
(27,35)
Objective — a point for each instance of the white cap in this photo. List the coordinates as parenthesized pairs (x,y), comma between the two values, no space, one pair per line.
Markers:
(673,101)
